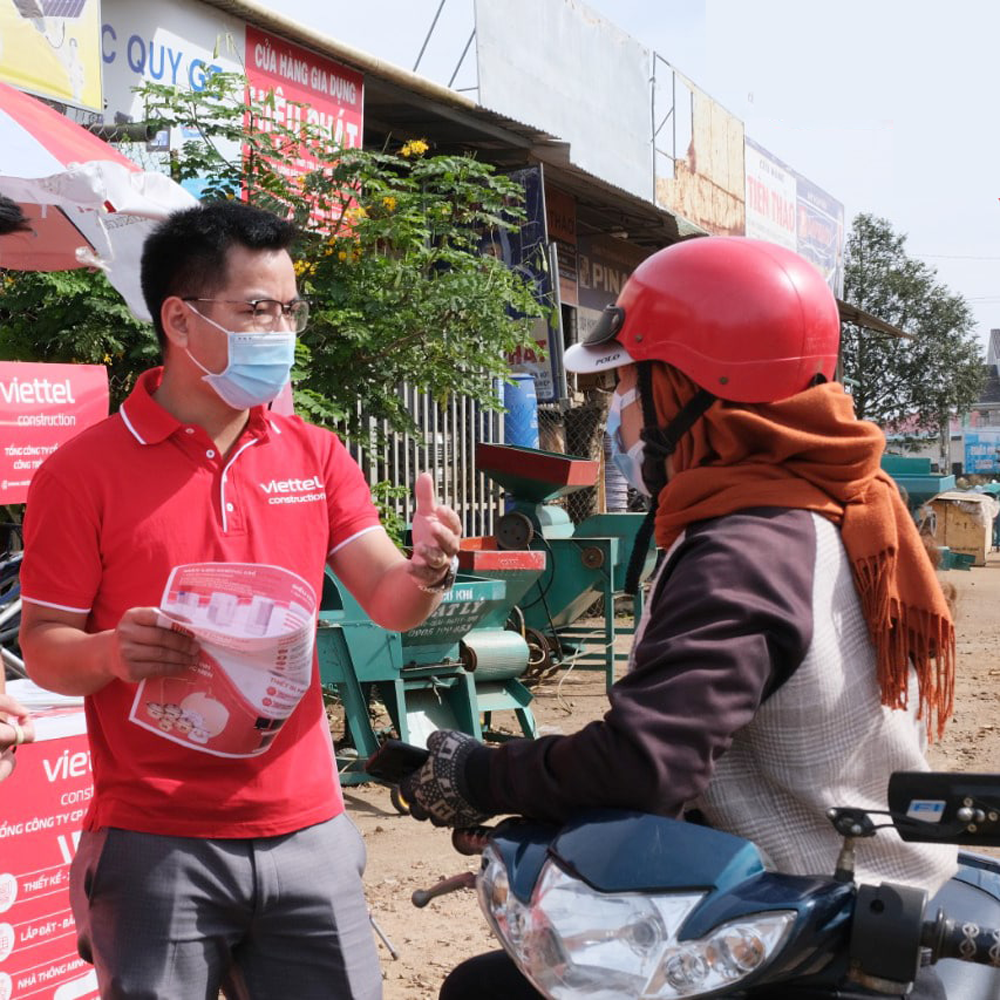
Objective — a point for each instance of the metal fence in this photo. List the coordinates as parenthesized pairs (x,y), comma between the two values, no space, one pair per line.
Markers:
(447,449)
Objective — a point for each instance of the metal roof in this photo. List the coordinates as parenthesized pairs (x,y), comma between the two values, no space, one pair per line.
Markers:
(856,315)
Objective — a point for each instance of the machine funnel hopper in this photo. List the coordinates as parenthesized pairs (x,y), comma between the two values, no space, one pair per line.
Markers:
(531,478)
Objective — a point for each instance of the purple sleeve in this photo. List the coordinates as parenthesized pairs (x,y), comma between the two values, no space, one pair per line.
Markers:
(730,619)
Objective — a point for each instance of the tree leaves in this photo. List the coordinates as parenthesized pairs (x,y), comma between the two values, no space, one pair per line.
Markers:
(920,382)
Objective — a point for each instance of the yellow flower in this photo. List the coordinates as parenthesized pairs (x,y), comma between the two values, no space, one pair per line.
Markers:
(389,202)
(342,255)
(304,268)
(415,147)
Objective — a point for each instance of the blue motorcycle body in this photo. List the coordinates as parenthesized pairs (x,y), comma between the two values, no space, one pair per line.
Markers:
(616,852)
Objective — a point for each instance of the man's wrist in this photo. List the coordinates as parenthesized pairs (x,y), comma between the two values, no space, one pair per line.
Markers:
(446,581)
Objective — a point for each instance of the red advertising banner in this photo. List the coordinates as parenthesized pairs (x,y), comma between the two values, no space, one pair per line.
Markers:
(560,216)
(334,94)
(44,801)
(41,407)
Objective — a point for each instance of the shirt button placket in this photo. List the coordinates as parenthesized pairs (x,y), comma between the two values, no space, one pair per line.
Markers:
(228,496)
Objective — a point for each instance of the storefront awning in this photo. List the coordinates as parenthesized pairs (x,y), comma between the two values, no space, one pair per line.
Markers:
(853,314)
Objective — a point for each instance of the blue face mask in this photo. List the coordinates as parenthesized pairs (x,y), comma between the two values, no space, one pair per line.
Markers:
(628,463)
(258,368)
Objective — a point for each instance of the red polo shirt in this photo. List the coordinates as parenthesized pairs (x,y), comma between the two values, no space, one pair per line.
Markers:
(110,514)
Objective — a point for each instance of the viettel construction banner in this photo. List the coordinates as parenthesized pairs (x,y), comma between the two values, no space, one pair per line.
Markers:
(41,407)
(44,802)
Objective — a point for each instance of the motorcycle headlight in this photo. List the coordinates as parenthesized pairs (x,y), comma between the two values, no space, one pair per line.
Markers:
(572,941)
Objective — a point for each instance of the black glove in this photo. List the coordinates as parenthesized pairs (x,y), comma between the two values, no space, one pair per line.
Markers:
(438,791)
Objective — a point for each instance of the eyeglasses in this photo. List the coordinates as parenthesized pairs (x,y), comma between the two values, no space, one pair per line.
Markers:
(265,315)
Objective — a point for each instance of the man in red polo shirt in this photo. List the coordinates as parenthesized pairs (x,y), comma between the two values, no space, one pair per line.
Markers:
(201,867)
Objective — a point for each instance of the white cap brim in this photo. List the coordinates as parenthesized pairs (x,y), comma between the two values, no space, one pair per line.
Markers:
(583,358)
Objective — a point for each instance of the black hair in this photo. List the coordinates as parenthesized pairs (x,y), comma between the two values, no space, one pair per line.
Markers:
(186,254)
(12,219)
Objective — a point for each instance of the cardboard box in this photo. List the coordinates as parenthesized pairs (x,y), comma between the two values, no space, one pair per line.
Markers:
(964,523)
(43,804)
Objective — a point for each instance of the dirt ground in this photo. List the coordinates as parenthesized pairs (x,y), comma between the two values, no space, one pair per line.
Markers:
(404,855)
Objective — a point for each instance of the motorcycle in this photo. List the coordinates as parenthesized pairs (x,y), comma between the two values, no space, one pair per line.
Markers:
(625,904)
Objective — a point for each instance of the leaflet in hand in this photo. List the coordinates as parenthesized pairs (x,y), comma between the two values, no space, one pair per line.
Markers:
(255,626)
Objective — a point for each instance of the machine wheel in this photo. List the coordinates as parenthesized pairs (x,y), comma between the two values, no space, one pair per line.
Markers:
(539,656)
(592,557)
(398,802)
(467,655)
(514,531)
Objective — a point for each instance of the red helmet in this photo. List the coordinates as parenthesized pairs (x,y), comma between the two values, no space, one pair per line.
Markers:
(747,320)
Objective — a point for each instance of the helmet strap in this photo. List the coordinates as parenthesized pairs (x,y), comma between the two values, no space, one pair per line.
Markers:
(660,443)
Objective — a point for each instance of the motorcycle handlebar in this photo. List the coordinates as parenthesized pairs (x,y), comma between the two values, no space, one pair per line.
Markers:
(421,897)
(966,941)
(471,840)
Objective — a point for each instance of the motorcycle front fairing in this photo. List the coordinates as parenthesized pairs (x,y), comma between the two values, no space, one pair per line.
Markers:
(736,919)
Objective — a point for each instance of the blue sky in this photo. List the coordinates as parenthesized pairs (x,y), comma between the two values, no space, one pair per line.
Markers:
(889,105)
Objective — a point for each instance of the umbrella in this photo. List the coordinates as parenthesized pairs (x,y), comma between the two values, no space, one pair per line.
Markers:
(86,203)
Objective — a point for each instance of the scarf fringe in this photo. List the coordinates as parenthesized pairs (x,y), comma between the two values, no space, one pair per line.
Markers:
(906,636)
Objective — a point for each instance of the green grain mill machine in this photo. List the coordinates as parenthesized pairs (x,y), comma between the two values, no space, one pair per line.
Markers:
(452,672)
(585,562)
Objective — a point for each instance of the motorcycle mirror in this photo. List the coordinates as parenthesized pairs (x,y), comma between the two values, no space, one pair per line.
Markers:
(943,807)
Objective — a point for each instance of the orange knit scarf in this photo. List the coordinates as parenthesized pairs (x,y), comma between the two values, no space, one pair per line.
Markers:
(811,453)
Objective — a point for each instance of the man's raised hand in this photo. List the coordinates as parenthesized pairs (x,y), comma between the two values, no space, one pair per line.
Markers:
(436,531)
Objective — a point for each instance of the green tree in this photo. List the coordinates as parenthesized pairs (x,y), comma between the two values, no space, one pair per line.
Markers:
(392,256)
(934,373)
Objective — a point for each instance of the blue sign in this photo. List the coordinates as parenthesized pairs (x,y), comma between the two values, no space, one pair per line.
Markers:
(526,251)
(982,452)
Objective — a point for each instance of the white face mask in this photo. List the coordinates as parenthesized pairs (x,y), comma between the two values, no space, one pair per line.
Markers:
(628,463)
(258,367)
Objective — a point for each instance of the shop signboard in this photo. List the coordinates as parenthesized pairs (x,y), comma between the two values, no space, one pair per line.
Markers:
(820,232)
(786,208)
(560,216)
(771,198)
(41,407)
(570,73)
(306,86)
(52,48)
(981,452)
(700,175)
(526,251)
(178,43)
(604,264)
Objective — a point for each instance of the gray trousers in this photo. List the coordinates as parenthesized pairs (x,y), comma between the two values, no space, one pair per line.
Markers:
(178,918)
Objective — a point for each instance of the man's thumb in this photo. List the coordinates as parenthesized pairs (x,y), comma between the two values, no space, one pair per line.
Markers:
(425,494)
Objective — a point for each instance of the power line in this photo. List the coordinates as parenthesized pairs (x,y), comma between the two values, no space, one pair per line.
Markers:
(952,256)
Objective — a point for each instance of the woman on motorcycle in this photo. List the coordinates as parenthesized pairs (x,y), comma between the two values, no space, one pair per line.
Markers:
(796,647)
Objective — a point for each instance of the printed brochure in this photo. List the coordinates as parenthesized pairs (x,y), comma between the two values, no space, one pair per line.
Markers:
(256,628)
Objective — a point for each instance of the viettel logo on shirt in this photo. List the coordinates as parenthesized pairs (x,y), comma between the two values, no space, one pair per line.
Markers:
(294,490)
